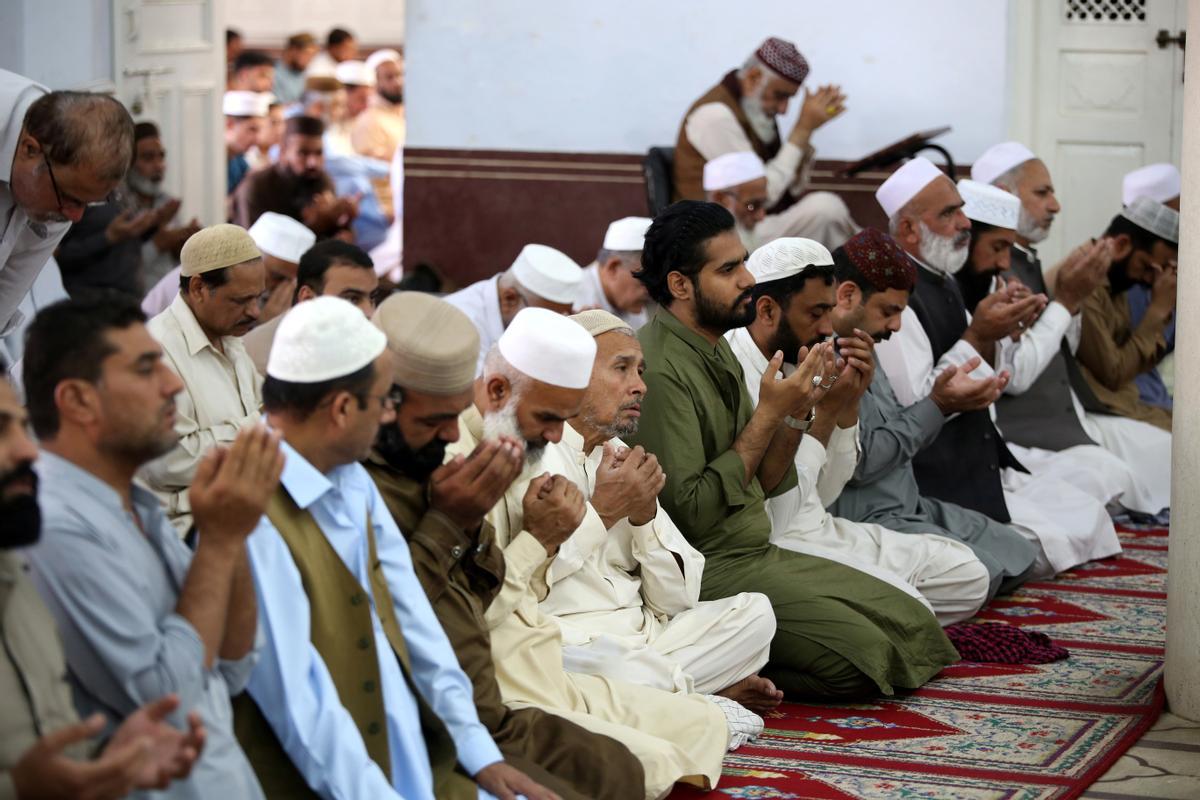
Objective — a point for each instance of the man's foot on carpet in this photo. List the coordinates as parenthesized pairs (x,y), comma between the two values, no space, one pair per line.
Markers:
(756,693)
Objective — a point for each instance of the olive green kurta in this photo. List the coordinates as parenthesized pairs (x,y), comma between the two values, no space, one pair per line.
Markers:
(462,572)
(840,632)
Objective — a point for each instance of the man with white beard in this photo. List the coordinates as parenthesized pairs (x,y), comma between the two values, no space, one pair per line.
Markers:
(739,115)
(969,463)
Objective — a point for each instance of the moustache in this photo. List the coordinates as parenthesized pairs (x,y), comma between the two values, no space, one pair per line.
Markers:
(962,239)
(21,472)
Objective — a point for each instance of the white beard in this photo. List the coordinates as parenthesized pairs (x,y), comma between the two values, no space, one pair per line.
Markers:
(504,423)
(762,123)
(1028,228)
(941,252)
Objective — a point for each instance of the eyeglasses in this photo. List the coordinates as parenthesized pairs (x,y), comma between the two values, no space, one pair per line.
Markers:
(389,401)
(751,206)
(112,197)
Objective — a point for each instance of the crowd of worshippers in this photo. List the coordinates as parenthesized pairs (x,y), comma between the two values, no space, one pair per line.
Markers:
(568,532)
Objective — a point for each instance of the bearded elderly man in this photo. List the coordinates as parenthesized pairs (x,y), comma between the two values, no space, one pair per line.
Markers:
(220,282)
(440,510)
(608,282)
(874,280)
(738,115)
(540,277)
(969,462)
(793,298)
(533,381)
(738,182)
(839,632)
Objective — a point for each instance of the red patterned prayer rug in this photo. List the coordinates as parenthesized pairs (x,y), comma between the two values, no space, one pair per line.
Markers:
(989,731)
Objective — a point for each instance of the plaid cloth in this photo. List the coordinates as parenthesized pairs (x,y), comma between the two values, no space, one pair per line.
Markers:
(744,724)
(997,643)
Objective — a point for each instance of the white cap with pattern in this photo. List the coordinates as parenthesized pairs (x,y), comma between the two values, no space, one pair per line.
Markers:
(786,257)
(322,339)
(983,202)
(1155,217)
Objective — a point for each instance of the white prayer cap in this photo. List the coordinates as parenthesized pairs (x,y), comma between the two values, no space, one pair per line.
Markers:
(245,104)
(783,258)
(999,159)
(380,56)
(322,339)
(906,183)
(1154,217)
(627,234)
(354,73)
(282,237)
(548,273)
(549,347)
(1159,182)
(983,202)
(732,169)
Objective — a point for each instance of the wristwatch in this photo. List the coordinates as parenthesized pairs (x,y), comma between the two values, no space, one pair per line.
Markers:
(801,425)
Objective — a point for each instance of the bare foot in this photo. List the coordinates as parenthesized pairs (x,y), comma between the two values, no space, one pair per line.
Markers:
(755,693)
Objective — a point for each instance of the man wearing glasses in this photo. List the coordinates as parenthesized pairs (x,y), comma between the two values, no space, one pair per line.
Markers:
(59,153)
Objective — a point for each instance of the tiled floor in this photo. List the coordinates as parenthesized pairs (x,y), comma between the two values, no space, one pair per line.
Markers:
(1164,765)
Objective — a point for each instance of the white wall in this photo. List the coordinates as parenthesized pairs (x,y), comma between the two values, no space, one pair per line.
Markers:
(617,76)
(66,44)
(266,22)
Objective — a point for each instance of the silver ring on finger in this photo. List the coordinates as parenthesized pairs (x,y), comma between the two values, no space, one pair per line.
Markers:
(817,380)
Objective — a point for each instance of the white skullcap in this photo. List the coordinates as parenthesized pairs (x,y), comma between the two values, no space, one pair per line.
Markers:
(281,236)
(354,73)
(732,169)
(783,258)
(549,274)
(983,202)
(1154,217)
(380,56)
(549,347)
(906,183)
(999,159)
(1159,182)
(245,104)
(627,234)
(322,339)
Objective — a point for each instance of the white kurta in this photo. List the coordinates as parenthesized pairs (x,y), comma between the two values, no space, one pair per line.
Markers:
(628,598)
(162,294)
(481,303)
(945,573)
(591,295)
(1070,525)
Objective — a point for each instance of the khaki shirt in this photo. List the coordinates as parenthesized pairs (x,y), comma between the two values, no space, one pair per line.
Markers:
(379,130)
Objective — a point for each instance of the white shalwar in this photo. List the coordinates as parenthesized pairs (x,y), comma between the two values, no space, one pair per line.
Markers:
(628,598)
(944,573)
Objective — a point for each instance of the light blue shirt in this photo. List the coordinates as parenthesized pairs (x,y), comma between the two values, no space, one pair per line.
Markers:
(113,592)
(292,685)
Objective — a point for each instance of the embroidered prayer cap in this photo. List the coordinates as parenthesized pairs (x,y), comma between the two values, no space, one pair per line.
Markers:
(548,273)
(281,236)
(783,258)
(1159,182)
(906,183)
(550,348)
(627,234)
(880,259)
(783,57)
(354,73)
(322,339)
(732,169)
(216,247)
(999,159)
(989,204)
(597,321)
(436,345)
(382,56)
(1154,217)
(245,104)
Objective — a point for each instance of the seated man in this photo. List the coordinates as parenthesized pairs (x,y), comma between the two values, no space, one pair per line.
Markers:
(793,298)
(1112,352)
(969,462)
(380,129)
(440,510)
(220,282)
(738,182)
(541,277)
(357,693)
(608,282)
(245,115)
(739,115)
(144,185)
(839,633)
(626,586)
(331,268)
(141,616)
(874,280)
(533,381)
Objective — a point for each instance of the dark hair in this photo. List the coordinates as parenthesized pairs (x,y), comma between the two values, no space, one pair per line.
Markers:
(979,228)
(302,399)
(1141,238)
(231,34)
(675,243)
(783,290)
(304,126)
(213,279)
(298,41)
(337,36)
(248,59)
(145,130)
(66,341)
(73,127)
(317,260)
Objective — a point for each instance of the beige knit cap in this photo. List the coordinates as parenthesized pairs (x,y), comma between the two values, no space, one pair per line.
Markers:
(436,345)
(216,247)
(597,321)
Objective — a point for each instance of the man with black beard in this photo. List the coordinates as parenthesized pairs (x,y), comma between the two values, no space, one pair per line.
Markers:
(440,509)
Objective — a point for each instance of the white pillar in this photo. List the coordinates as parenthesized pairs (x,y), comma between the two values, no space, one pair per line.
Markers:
(1183,595)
